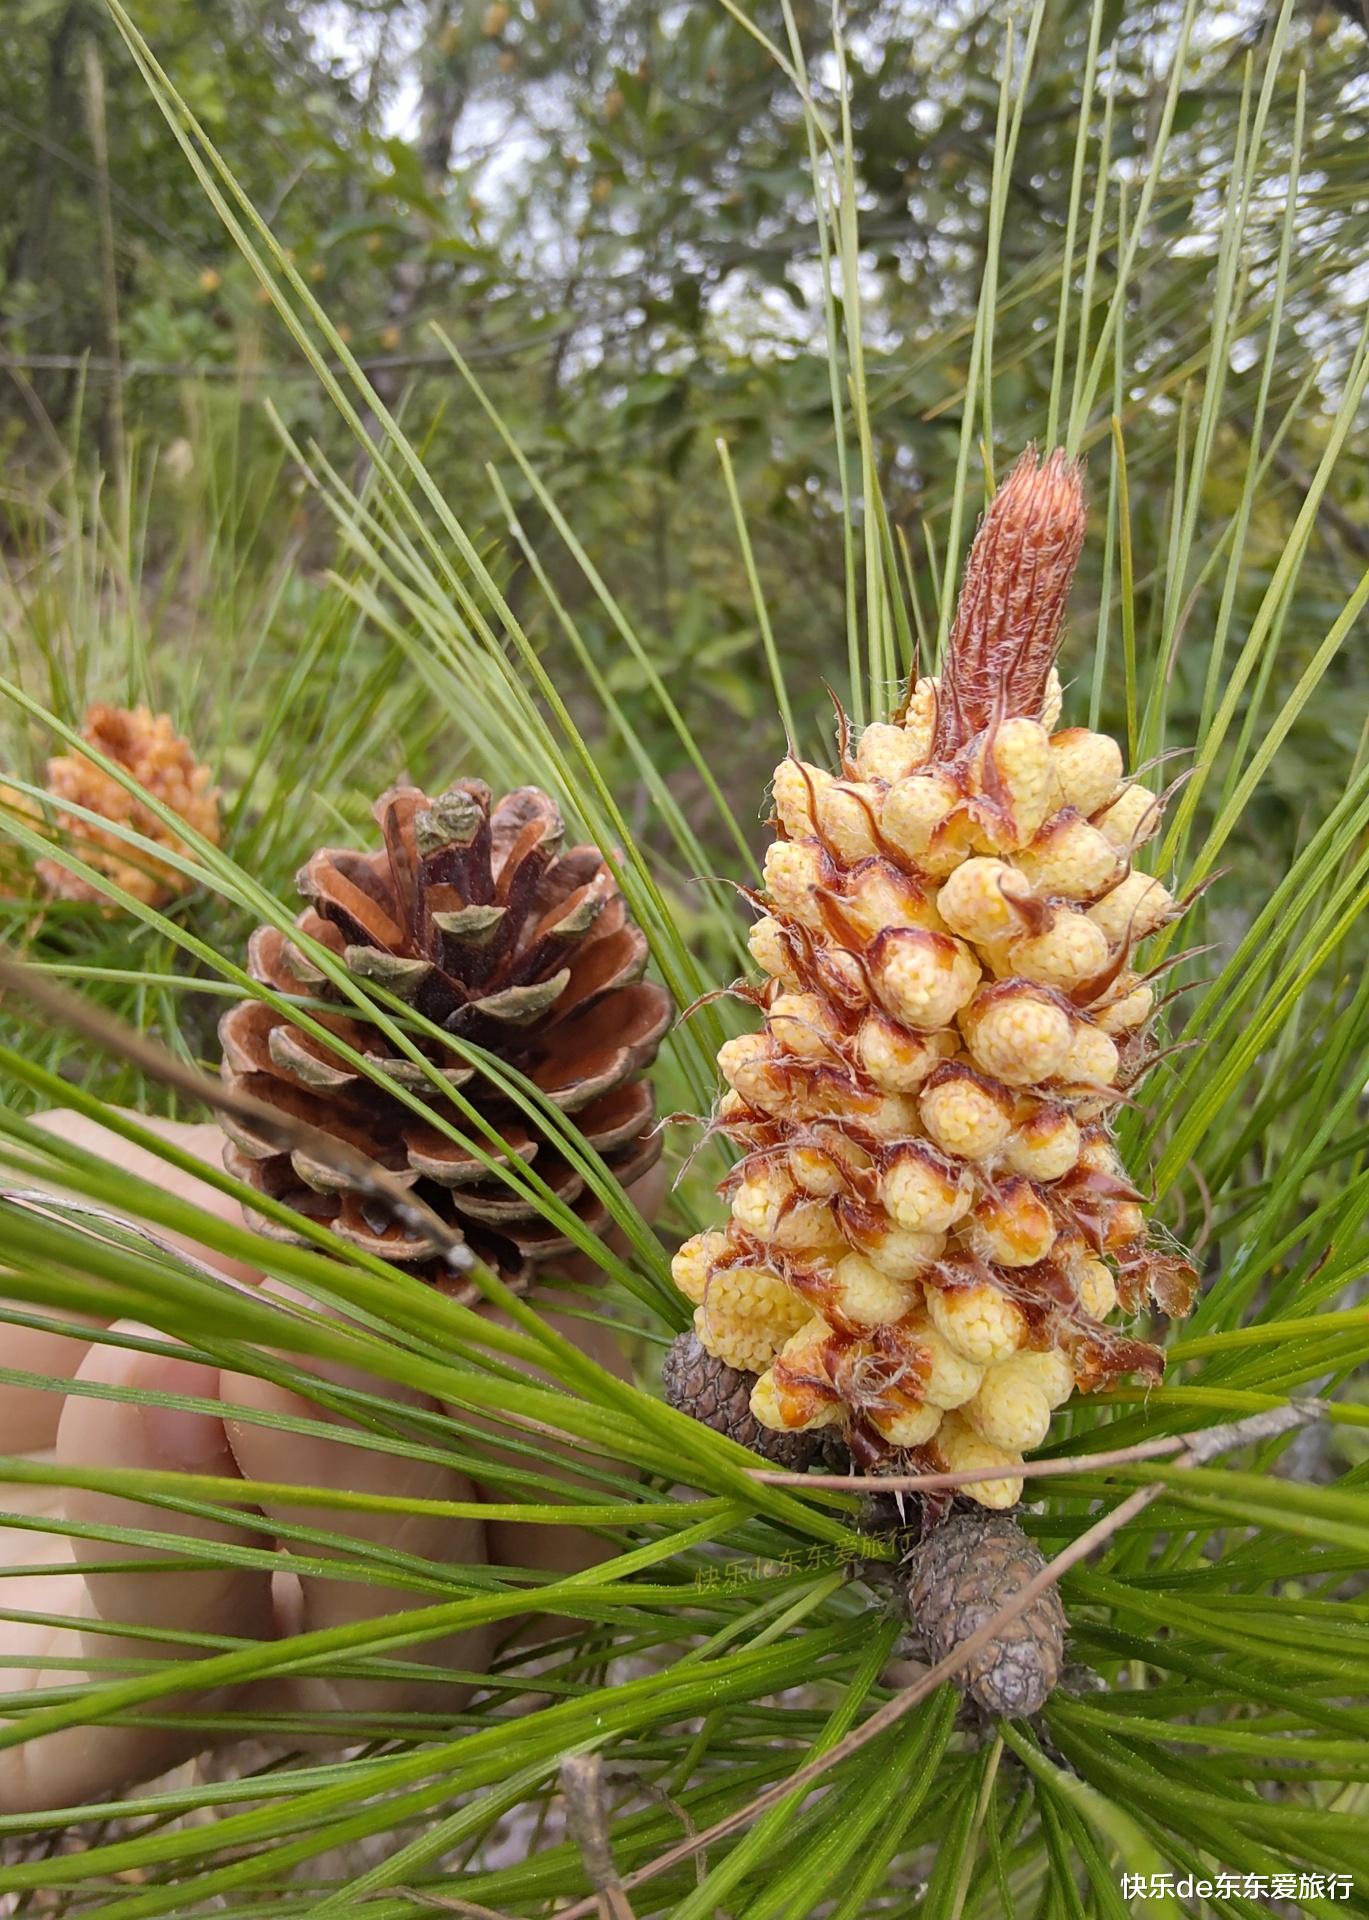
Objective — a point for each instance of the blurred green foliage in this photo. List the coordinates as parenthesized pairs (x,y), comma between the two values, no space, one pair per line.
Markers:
(608,207)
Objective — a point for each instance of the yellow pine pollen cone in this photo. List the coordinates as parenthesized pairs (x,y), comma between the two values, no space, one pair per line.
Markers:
(930,1230)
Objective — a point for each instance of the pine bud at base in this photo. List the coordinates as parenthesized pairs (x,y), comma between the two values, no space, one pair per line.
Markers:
(710,1391)
(962,1574)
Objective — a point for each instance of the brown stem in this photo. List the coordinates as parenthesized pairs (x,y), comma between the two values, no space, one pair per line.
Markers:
(1202,1445)
(582,1787)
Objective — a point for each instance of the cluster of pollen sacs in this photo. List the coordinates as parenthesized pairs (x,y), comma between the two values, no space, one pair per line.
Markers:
(930,1224)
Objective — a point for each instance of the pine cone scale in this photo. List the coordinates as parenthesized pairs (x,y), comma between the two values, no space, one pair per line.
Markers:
(616,1117)
(433,1156)
(353,896)
(592,1052)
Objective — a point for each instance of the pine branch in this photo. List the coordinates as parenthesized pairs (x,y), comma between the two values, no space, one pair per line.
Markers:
(1198,1447)
(1194,1449)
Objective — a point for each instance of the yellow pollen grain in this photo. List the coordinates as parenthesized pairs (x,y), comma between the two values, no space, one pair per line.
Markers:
(867,1297)
(915,808)
(887,753)
(744,1061)
(1044,1147)
(848,819)
(1132,819)
(1023,777)
(898,1251)
(803,1023)
(896,1060)
(924,979)
(1008,1411)
(795,788)
(784,1410)
(761,1198)
(1011,1227)
(950,1378)
(877,897)
(793,868)
(1070,950)
(770,950)
(1070,860)
(918,1194)
(1093,1057)
(1129,1009)
(907,1426)
(746,1316)
(694,1262)
(1048,1370)
(919,722)
(1134,908)
(816,1172)
(977,900)
(957,1448)
(1097,1288)
(965,1118)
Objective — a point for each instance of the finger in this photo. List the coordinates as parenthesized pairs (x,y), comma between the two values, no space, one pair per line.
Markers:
(91,1762)
(553,1551)
(556,1551)
(29,1415)
(314,1460)
(559,1551)
(203,1139)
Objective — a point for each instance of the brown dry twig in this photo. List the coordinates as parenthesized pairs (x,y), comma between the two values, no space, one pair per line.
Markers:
(444,1903)
(582,1788)
(1201,1445)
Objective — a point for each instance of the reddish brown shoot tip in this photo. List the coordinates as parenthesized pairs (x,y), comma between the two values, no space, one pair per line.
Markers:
(1012,600)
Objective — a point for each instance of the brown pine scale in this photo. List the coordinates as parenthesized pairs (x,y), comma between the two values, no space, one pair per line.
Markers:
(930,1226)
(697,1383)
(475,915)
(964,1573)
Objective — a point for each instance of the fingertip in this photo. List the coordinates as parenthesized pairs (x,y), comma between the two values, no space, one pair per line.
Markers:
(94,1761)
(202,1139)
(136,1434)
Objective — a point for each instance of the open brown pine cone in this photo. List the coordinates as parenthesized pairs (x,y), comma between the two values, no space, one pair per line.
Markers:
(474,914)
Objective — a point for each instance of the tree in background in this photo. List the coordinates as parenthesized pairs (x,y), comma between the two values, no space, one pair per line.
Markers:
(607,208)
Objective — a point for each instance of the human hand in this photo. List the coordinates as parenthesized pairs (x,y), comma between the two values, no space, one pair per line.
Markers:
(92,1762)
